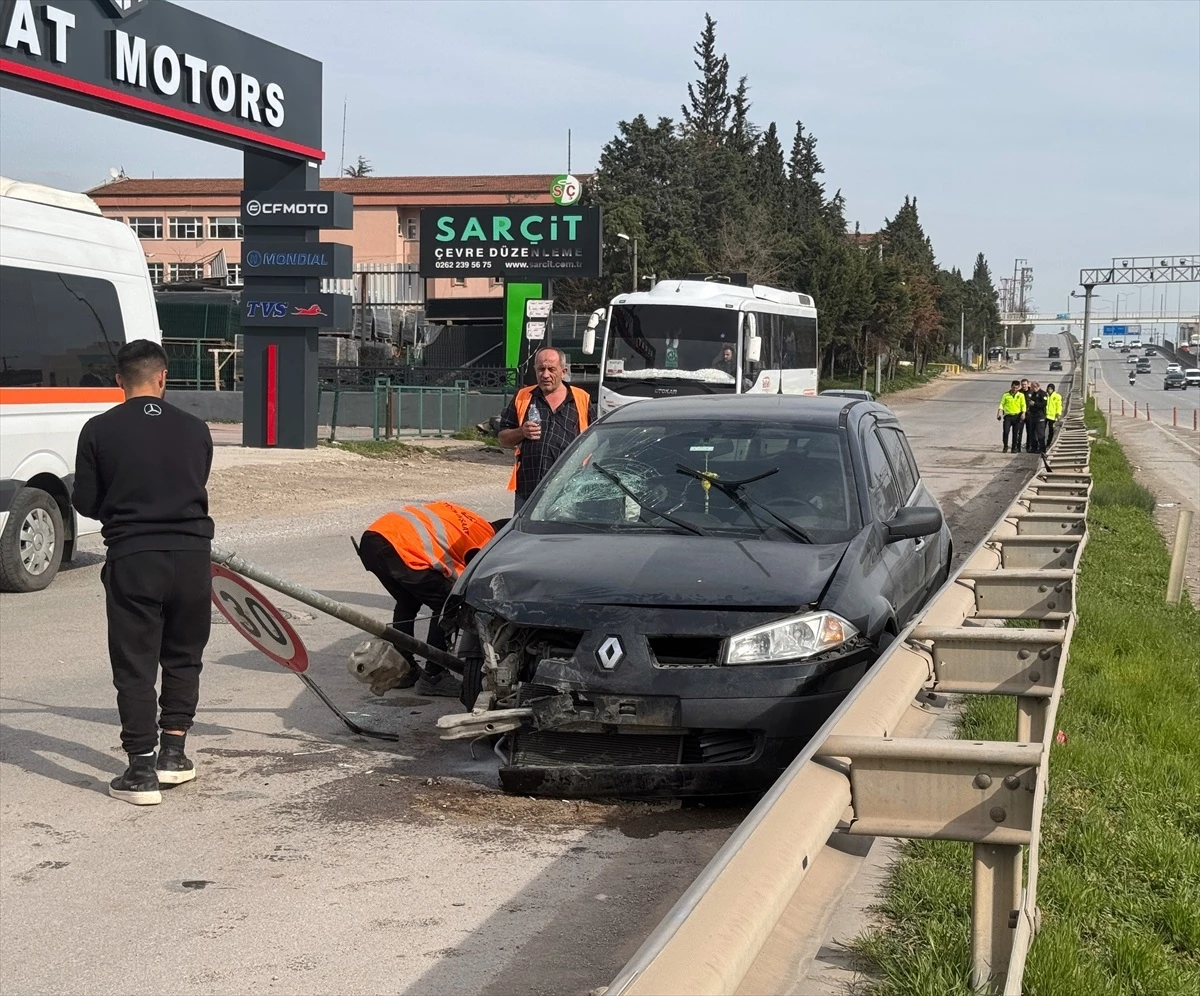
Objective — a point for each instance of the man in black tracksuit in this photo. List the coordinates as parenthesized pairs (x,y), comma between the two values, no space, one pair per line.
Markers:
(142,470)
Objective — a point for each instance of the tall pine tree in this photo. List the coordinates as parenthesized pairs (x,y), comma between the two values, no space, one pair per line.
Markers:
(706,114)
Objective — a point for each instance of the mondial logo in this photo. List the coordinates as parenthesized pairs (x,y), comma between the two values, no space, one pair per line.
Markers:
(566,190)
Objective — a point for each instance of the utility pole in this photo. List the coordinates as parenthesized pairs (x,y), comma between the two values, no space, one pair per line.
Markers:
(962,324)
(1087,338)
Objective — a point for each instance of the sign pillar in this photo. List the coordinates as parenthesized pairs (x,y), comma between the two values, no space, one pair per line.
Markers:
(283,212)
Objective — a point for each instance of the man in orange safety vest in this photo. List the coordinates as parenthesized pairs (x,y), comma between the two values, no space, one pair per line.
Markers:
(417,553)
(539,425)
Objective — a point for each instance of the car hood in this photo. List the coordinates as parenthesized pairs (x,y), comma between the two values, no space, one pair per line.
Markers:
(522,572)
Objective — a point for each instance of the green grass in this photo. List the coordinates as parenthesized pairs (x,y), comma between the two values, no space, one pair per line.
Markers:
(473,435)
(1120,868)
(901,382)
(383,449)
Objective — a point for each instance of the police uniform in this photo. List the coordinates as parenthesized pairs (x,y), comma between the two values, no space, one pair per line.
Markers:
(1054,410)
(417,553)
(1012,408)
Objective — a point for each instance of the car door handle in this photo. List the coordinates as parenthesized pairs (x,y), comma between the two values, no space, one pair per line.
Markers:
(920,542)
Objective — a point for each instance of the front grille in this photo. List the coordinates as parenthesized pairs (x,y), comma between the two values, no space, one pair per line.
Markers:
(685,651)
(547,748)
(719,747)
(527,693)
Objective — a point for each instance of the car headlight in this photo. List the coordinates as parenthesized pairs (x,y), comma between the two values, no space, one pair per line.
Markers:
(789,639)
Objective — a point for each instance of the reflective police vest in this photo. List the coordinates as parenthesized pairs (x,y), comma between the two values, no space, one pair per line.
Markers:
(1012,404)
(438,535)
(1054,406)
(581,399)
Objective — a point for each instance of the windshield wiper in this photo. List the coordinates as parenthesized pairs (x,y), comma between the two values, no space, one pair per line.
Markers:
(733,491)
(644,506)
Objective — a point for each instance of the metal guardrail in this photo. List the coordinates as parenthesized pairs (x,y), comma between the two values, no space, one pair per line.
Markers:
(856,777)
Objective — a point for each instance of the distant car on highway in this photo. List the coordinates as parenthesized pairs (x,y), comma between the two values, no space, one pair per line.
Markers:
(1175,379)
(1192,377)
(1173,367)
(1124,349)
(1130,358)
(840,392)
(1054,352)
(692,590)
(1056,364)
(1143,365)
(1136,344)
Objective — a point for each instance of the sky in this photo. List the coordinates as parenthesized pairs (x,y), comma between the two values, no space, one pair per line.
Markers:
(1064,133)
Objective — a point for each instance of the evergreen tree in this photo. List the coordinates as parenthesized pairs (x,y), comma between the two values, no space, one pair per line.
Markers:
(770,179)
(706,115)
(361,168)
(743,136)
(804,168)
(905,240)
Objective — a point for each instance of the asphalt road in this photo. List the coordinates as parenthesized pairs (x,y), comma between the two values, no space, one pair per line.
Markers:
(304,859)
(1109,371)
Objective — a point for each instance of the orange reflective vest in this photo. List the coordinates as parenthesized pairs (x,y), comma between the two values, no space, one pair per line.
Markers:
(438,535)
(581,399)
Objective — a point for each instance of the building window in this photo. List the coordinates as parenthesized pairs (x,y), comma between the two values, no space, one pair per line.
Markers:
(225,228)
(459,281)
(156,272)
(235,273)
(146,228)
(187,271)
(184,228)
(410,232)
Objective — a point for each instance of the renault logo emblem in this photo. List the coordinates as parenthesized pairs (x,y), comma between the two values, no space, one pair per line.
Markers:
(152,409)
(611,653)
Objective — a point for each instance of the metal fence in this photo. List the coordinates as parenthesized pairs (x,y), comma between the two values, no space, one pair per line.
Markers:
(488,379)
(988,793)
(192,364)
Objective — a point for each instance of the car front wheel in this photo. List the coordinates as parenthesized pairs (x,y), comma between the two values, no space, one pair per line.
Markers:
(31,546)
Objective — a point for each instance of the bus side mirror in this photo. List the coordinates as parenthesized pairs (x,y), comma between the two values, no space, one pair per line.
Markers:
(754,350)
(589,334)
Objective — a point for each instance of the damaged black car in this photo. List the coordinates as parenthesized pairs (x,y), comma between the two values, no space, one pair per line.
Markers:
(691,592)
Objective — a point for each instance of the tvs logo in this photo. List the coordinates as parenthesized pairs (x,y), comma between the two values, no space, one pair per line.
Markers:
(312,311)
(281,309)
(123,8)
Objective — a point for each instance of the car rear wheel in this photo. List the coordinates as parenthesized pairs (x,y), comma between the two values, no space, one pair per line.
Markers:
(31,546)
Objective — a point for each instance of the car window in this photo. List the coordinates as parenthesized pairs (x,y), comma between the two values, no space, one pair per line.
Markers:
(896,447)
(797,472)
(885,498)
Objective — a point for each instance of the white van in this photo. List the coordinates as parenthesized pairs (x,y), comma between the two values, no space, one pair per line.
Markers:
(74,287)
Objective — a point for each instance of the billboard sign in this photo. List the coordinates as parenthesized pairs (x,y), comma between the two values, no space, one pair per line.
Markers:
(296,259)
(1115,329)
(527,243)
(166,66)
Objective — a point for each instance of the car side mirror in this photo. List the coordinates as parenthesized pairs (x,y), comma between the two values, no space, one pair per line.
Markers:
(912,523)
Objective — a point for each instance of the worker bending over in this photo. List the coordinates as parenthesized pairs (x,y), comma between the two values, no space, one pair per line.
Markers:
(417,553)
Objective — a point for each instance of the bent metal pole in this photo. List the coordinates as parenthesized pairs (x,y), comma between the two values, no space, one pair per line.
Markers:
(322,603)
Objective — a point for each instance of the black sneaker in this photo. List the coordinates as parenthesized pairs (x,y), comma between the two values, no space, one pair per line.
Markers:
(139,784)
(175,767)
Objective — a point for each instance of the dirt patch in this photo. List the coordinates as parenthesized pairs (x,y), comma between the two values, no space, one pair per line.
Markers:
(380,796)
(254,492)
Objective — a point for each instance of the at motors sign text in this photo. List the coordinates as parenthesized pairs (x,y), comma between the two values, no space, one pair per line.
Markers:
(527,242)
(163,65)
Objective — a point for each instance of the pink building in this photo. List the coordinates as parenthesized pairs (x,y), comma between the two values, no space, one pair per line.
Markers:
(183,224)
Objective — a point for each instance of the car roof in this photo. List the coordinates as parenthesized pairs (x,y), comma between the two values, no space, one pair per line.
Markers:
(801,409)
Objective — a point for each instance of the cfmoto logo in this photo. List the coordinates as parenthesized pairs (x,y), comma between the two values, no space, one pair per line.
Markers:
(257,208)
(123,8)
(253,208)
(610,653)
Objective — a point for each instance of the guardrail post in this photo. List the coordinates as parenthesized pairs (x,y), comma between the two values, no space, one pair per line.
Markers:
(1135,411)
(995,904)
(1031,719)
(1183,533)
(1174,416)
(337,393)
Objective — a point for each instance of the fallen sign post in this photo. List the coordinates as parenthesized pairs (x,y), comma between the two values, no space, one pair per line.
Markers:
(266,628)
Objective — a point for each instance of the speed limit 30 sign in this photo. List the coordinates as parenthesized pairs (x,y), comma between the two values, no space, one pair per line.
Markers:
(257,619)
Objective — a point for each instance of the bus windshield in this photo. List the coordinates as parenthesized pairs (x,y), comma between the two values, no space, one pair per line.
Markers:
(656,341)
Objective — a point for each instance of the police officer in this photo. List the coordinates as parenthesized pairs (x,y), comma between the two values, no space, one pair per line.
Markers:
(142,471)
(540,424)
(1054,409)
(1012,411)
(417,553)
(1035,418)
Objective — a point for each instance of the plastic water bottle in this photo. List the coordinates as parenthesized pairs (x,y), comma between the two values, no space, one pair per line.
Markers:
(533,416)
